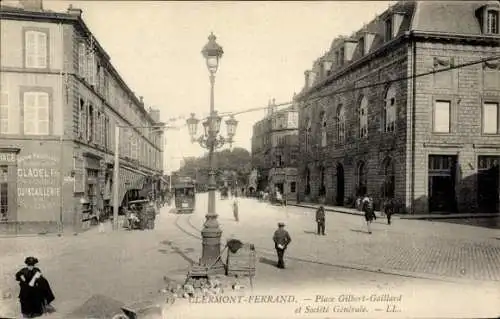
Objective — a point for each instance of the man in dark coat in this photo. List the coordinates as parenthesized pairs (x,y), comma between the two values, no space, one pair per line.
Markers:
(281,240)
(389,210)
(320,220)
(35,294)
(367,208)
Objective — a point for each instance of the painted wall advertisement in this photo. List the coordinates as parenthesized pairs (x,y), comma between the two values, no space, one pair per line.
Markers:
(38,184)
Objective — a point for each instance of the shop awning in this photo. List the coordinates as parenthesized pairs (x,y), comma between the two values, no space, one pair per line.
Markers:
(129,180)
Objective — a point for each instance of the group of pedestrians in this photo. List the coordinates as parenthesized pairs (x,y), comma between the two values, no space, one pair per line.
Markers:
(282,238)
(364,204)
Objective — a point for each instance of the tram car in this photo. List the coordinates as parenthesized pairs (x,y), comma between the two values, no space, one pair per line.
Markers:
(185,195)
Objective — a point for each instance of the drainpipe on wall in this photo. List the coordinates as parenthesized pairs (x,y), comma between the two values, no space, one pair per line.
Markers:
(61,139)
(413,116)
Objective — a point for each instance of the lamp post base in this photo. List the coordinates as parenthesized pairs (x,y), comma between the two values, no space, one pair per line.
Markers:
(211,258)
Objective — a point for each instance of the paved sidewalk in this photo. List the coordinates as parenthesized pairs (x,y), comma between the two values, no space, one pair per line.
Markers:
(353,211)
(328,208)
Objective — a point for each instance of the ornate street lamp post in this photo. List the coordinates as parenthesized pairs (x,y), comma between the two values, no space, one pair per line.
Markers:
(211,140)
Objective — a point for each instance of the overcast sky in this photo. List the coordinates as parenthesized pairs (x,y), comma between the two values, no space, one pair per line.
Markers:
(156,46)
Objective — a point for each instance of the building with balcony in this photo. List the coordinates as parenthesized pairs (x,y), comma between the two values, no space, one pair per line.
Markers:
(407,108)
(61,100)
(275,150)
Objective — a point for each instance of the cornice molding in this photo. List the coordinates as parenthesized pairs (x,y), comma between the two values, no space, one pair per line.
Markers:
(443,145)
(489,146)
(10,150)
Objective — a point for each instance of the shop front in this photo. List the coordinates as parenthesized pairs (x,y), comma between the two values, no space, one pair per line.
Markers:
(284,180)
(8,190)
(30,191)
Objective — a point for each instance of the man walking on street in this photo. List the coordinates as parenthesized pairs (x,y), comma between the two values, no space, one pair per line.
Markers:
(389,210)
(320,220)
(367,207)
(281,240)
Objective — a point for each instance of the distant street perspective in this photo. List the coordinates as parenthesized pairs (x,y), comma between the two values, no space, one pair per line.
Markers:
(254,159)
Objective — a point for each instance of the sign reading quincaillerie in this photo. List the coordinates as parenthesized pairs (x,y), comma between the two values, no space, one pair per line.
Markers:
(38,183)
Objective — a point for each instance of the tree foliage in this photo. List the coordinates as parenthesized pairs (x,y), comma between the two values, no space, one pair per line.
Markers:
(232,165)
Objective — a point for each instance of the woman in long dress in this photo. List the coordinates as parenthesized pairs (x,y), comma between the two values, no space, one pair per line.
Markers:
(35,294)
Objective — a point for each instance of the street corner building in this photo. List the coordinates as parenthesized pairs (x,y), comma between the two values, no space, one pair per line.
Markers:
(275,150)
(407,109)
(61,100)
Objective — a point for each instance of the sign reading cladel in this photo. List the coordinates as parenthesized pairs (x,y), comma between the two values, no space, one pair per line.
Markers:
(38,182)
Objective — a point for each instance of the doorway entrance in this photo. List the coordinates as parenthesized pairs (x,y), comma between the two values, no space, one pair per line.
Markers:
(441,186)
(487,183)
(4,194)
(339,198)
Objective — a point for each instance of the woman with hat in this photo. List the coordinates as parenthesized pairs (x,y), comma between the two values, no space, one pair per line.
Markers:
(35,294)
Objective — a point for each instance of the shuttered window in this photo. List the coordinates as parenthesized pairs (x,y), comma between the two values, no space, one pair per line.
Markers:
(36,49)
(36,113)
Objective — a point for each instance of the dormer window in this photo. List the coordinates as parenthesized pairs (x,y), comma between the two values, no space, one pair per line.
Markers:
(361,44)
(341,56)
(492,21)
(388,29)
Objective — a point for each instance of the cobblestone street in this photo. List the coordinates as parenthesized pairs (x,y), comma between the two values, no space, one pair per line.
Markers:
(450,251)
(408,257)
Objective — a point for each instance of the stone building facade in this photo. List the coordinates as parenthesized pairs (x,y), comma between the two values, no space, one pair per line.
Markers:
(275,150)
(407,108)
(62,100)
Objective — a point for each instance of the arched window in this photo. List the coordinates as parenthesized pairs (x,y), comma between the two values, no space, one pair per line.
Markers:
(308,134)
(390,109)
(323,129)
(363,118)
(340,123)
(361,179)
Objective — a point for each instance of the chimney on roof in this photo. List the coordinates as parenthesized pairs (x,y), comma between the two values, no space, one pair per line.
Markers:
(32,5)
(155,114)
(74,11)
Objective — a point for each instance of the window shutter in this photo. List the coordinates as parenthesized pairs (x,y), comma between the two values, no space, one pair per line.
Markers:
(89,121)
(95,136)
(43,113)
(29,113)
(81,60)
(41,50)
(97,127)
(30,49)
(85,121)
(90,67)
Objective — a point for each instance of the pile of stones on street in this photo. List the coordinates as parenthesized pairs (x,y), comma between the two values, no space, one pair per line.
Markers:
(203,287)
